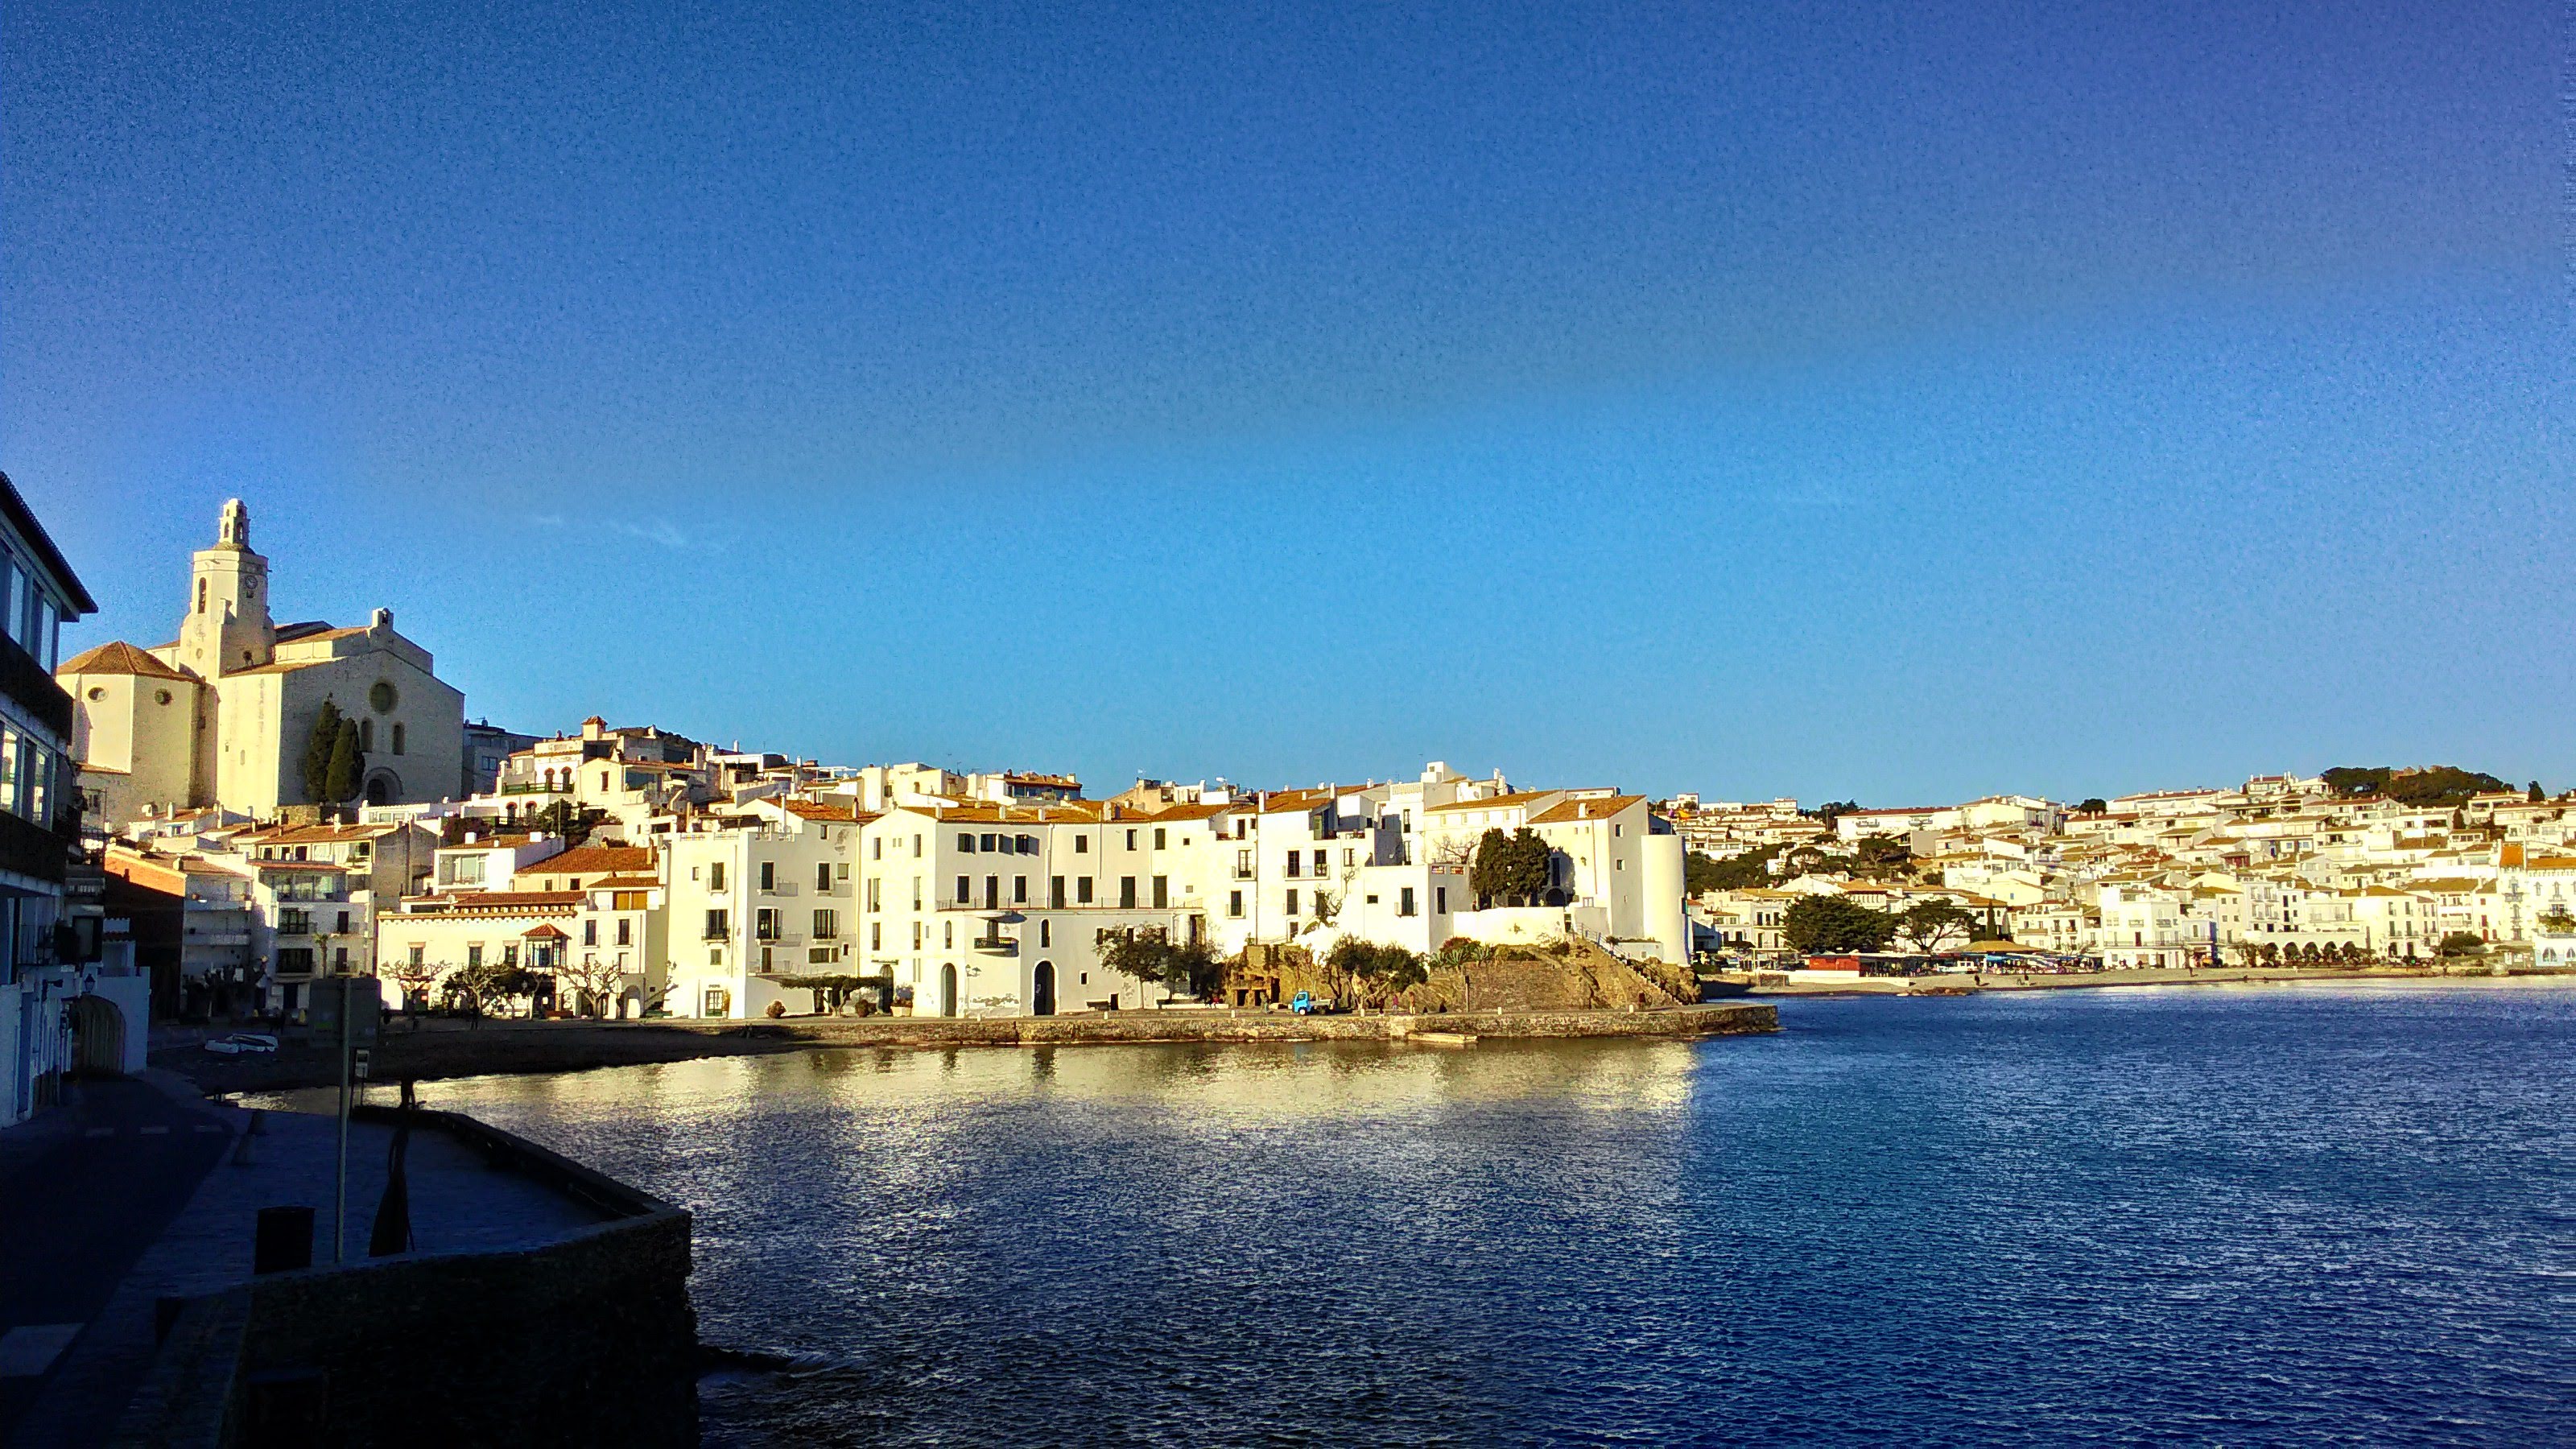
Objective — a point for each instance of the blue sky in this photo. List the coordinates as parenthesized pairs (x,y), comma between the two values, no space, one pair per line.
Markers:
(1897,402)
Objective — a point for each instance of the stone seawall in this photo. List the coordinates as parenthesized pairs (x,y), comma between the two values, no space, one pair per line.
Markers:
(588,1339)
(1726,1019)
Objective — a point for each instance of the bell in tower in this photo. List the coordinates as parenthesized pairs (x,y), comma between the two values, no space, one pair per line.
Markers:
(233,531)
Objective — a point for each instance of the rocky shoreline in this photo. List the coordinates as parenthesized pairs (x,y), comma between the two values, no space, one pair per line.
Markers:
(441,1049)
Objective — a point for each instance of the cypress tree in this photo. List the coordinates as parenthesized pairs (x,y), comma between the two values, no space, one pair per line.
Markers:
(342,782)
(317,753)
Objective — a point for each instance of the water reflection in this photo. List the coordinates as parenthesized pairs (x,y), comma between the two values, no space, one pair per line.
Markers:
(2059,1217)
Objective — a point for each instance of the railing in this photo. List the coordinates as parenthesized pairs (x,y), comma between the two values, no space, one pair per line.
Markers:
(996,945)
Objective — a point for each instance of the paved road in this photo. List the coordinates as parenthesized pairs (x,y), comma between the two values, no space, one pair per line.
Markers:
(84,1189)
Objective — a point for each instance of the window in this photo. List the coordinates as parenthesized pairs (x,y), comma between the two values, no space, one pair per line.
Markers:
(1046,933)
(1082,890)
(1162,892)
(1293,860)
(965,844)
(398,737)
(1127,892)
(382,697)
(366,737)
(992,892)
(716,925)
(768,876)
(625,931)
(1440,899)
(715,876)
(1082,845)
(1158,837)
(1019,890)
(948,934)
(1028,845)
(875,896)
(992,843)
(823,876)
(827,925)
(417,955)
(342,927)
(1404,902)
(1292,902)
(916,893)
(876,848)
(1055,891)
(876,935)
(965,890)
(1234,905)
(916,935)
(1243,865)
(1320,868)
(590,933)
(764,923)
(474,957)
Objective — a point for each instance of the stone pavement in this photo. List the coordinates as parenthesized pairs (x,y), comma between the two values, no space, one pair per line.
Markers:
(84,1190)
(458,1204)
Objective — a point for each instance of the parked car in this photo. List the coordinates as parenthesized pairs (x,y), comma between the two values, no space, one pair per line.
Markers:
(1306,1003)
(243,1043)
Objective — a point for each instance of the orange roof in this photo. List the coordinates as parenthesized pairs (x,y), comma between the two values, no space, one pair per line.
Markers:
(119,657)
(544,933)
(593,860)
(1596,808)
(819,810)
(1189,812)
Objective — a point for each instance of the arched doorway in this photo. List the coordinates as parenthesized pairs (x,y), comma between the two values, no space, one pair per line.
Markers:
(382,787)
(947,990)
(98,1036)
(1042,1002)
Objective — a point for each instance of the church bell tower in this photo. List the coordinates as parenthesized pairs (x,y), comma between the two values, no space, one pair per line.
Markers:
(227,628)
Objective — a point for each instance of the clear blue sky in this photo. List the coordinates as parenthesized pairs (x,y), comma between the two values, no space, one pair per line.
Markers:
(1896,401)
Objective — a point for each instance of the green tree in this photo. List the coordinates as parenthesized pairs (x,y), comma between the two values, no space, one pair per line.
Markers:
(1931,926)
(2533,795)
(1832,810)
(2557,921)
(317,753)
(1881,857)
(1512,869)
(1380,970)
(1191,969)
(2092,805)
(340,782)
(1830,925)
(1733,873)
(2462,943)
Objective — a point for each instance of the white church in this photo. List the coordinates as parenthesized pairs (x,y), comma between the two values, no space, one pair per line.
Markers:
(222,714)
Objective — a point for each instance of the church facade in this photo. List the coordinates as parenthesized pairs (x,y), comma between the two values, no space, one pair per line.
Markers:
(222,714)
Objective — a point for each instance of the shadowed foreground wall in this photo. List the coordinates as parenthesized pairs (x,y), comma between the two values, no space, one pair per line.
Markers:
(586,1340)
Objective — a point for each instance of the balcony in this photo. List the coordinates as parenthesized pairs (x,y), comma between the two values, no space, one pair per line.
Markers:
(995,945)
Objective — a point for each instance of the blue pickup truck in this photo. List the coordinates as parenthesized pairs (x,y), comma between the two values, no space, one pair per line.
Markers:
(1306,1003)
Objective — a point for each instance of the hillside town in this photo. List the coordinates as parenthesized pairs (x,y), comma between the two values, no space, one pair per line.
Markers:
(260,806)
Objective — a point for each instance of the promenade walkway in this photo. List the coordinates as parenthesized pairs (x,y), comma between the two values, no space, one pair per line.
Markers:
(459,1203)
